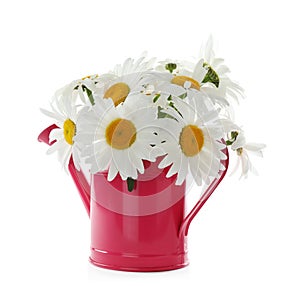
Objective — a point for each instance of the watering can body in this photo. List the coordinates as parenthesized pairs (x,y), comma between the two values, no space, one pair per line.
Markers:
(138,231)
(143,230)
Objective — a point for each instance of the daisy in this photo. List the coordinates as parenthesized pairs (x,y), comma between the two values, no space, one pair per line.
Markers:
(189,83)
(81,88)
(217,73)
(193,142)
(65,115)
(85,87)
(125,79)
(243,150)
(186,79)
(118,138)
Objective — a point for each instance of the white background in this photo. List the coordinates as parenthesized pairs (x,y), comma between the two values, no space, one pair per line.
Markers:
(247,233)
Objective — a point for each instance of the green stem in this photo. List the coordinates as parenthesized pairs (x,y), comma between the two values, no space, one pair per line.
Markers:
(130,184)
(90,96)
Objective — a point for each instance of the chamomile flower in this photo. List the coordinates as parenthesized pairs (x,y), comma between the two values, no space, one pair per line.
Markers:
(243,149)
(190,83)
(193,143)
(118,138)
(81,88)
(125,79)
(183,81)
(217,73)
(85,87)
(65,115)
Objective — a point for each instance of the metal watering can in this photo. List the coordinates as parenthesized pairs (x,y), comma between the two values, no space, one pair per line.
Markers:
(143,230)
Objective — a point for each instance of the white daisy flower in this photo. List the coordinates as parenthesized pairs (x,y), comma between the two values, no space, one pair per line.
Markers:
(125,79)
(189,83)
(243,149)
(81,88)
(65,115)
(85,87)
(217,73)
(118,87)
(193,142)
(118,138)
(183,81)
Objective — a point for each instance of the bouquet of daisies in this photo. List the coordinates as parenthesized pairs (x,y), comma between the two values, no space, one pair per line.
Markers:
(178,111)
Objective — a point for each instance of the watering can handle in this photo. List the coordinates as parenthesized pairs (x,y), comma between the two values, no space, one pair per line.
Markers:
(184,228)
(78,176)
(45,135)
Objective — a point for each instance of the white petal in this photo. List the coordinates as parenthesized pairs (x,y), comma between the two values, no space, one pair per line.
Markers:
(222,70)
(183,170)
(56,146)
(104,160)
(144,151)
(199,71)
(136,162)
(239,142)
(123,164)
(245,164)
(174,168)
(76,158)
(112,172)
(56,134)
(120,160)
(229,126)
(66,158)
(166,161)
(53,115)
(237,165)
(254,146)
(195,169)
(209,54)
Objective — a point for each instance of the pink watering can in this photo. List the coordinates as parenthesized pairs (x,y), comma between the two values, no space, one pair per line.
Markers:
(142,230)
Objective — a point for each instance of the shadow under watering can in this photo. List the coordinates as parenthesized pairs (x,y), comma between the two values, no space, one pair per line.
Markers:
(143,230)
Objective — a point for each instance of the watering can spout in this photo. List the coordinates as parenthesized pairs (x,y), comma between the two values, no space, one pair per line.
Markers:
(77,175)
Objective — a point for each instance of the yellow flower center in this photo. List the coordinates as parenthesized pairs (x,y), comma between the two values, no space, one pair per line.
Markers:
(120,134)
(239,151)
(191,140)
(69,131)
(181,79)
(117,92)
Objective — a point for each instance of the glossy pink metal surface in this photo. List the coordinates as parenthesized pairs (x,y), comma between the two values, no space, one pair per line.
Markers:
(123,237)
(142,230)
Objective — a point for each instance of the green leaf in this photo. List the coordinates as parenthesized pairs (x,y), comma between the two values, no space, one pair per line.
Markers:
(130,184)
(174,107)
(89,94)
(211,75)
(156,97)
(162,114)
(232,139)
(183,96)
